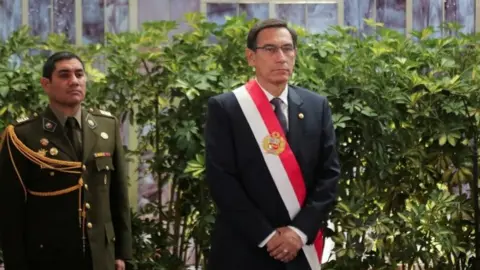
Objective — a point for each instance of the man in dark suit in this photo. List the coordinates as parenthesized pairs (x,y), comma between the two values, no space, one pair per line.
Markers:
(63,185)
(271,163)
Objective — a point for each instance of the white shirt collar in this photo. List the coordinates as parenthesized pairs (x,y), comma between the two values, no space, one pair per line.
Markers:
(283,96)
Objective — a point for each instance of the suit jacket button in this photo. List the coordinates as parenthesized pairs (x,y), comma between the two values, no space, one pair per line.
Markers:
(86,186)
(84,168)
(89,225)
(87,205)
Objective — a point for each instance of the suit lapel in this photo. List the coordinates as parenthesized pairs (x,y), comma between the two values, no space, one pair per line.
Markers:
(295,123)
(90,134)
(55,133)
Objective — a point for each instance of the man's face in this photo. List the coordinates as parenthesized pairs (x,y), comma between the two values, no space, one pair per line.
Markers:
(274,57)
(68,84)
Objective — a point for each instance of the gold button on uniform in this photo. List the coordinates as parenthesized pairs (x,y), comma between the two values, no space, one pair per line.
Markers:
(87,205)
(89,225)
(86,187)
(52,173)
(84,168)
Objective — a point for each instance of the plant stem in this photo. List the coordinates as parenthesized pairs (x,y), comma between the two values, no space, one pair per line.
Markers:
(157,148)
(177,214)
(171,201)
(183,241)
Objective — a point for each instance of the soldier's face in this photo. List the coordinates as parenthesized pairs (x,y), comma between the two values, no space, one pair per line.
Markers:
(68,84)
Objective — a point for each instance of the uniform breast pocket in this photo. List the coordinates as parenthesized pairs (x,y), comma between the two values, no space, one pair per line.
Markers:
(105,168)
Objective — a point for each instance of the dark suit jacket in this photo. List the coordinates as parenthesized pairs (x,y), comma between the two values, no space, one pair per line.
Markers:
(249,205)
(43,232)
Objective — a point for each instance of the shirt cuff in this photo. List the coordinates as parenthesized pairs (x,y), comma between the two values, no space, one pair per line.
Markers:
(300,233)
(264,242)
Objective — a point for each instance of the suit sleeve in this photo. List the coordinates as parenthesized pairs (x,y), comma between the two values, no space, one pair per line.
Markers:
(119,202)
(321,197)
(222,177)
(12,208)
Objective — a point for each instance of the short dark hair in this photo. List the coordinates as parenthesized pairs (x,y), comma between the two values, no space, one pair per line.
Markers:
(269,23)
(49,65)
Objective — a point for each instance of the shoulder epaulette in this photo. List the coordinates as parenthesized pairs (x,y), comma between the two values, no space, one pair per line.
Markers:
(100,112)
(24,119)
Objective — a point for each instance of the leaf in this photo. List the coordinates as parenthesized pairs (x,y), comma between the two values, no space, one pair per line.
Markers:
(466,171)
(341,252)
(447,63)
(4,91)
(182,84)
(192,93)
(426,32)
(343,206)
(368,111)
(454,79)
(405,219)
(452,140)
(401,60)
(447,175)
(339,120)
(351,253)
(442,140)
(203,85)
(196,167)
(94,74)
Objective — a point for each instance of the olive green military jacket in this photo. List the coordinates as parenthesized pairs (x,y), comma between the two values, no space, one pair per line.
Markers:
(53,205)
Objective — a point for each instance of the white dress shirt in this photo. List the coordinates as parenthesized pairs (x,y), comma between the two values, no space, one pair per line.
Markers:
(284,97)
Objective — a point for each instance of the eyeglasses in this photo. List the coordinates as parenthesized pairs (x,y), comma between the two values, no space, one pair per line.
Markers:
(272,49)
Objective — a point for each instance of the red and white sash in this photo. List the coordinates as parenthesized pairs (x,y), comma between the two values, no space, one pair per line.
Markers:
(280,160)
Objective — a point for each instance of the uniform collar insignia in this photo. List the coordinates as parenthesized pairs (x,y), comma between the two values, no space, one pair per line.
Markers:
(49,125)
(91,121)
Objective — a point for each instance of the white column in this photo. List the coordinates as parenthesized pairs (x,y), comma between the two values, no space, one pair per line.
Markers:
(133,15)
(78,22)
(341,12)
(477,15)
(409,17)
(24,12)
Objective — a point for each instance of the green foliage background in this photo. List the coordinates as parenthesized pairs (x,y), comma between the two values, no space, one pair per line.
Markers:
(398,106)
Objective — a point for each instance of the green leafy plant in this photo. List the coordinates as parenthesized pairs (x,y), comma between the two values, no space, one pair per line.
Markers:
(404,111)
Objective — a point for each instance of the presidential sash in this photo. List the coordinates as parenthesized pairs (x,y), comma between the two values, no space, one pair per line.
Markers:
(279,158)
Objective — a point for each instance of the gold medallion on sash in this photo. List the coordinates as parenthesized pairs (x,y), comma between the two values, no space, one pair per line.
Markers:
(274,143)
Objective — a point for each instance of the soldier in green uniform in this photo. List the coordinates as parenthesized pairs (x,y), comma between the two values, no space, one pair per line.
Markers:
(63,185)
